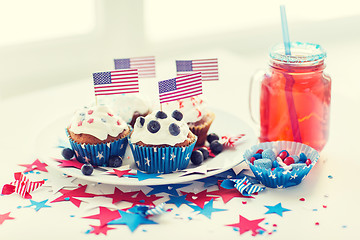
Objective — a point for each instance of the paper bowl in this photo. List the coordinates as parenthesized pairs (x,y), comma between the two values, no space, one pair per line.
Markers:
(278,178)
(161,159)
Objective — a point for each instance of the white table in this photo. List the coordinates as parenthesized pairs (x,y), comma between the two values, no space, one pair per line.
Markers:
(24,116)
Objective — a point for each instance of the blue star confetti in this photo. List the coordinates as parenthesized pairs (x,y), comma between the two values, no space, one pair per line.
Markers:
(143,176)
(170,189)
(207,210)
(278,209)
(38,205)
(178,200)
(132,220)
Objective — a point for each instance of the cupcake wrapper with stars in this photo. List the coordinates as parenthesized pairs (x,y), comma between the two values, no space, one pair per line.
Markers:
(282,179)
(98,154)
(161,159)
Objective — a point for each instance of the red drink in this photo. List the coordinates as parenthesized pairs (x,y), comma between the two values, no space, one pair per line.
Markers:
(295,97)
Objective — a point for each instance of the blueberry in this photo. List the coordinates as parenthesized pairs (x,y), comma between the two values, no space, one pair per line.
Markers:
(115,161)
(216,147)
(205,152)
(67,153)
(140,121)
(197,157)
(161,115)
(211,137)
(153,126)
(174,129)
(87,169)
(177,115)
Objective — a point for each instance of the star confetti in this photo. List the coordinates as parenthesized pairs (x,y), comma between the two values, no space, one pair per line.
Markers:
(4,217)
(21,185)
(178,201)
(170,189)
(38,205)
(120,173)
(207,210)
(132,220)
(142,199)
(36,165)
(143,176)
(58,182)
(278,209)
(202,169)
(228,194)
(245,225)
(119,195)
(100,229)
(198,198)
(70,195)
(69,163)
(105,215)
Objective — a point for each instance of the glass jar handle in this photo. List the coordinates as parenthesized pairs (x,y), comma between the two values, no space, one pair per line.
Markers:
(255,80)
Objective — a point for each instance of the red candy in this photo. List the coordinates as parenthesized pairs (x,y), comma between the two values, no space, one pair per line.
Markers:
(289,160)
(308,162)
(91,120)
(283,155)
(259,151)
(252,160)
(90,112)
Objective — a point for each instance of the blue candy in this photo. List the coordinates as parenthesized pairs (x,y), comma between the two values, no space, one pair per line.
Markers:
(298,166)
(269,153)
(257,155)
(303,157)
(275,164)
(263,163)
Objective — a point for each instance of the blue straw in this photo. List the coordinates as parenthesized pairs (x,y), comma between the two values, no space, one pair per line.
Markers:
(285,30)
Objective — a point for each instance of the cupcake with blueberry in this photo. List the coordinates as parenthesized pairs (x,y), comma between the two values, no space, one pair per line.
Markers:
(128,106)
(196,115)
(96,135)
(281,164)
(161,142)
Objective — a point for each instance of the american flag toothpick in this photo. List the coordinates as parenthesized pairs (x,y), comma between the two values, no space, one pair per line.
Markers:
(180,87)
(208,67)
(144,65)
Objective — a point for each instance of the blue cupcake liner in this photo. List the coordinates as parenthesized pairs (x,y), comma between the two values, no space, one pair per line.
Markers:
(98,154)
(279,178)
(161,159)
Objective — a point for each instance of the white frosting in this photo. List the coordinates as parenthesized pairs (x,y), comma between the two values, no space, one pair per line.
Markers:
(98,121)
(125,105)
(193,109)
(163,136)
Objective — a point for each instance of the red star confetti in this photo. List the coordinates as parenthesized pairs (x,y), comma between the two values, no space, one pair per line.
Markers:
(245,225)
(142,199)
(100,229)
(230,142)
(4,217)
(70,195)
(198,198)
(228,194)
(105,215)
(35,165)
(120,173)
(69,163)
(21,185)
(119,195)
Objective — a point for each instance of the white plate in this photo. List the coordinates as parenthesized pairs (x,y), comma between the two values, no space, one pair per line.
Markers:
(224,124)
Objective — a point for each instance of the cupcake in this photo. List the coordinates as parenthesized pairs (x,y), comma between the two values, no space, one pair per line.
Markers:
(196,115)
(96,134)
(281,164)
(128,106)
(162,142)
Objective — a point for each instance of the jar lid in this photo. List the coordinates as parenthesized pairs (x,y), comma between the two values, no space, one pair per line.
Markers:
(300,52)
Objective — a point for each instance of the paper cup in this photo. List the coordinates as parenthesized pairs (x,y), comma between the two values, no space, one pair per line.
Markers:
(161,159)
(278,177)
(98,154)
